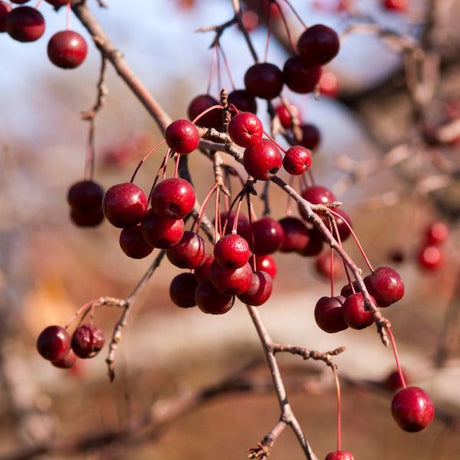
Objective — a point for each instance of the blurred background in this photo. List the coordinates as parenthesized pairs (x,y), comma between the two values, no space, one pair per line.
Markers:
(49,267)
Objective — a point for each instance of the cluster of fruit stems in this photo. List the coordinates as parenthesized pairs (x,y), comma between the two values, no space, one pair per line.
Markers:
(215,141)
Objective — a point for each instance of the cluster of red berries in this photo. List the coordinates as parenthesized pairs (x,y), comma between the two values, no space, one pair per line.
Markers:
(66,49)
(56,345)
(430,254)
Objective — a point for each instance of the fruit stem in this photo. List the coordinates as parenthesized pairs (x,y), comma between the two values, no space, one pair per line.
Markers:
(286,26)
(68,9)
(227,67)
(395,352)
(339,409)
(202,114)
(152,149)
(288,3)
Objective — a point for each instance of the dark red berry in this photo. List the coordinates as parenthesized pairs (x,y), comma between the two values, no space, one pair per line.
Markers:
(133,244)
(210,300)
(245,129)
(289,115)
(53,343)
(189,252)
(297,160)
(318,44)
(296,235)
(67,362)
(202,272)
(267,264)
(173,198)
(340,455)
(328,266)
(91,218)
(341,222)
(202,102)
(354,312)
(385,285)
(5,8)
(161,232)
(60,2)
(430,257)
(262,160)
(243,100)
(299,77)
(314,245)
(25,24)
(259,290)
(264,80)
(182,136)
(232,251)
(268,235)
(328,314)
(85,195)
(231,281)
(67,49)
(316,194)
(124,204)
(87,341)
(437,233)
(182,290)
(412,409)
(243,226)
(310,136)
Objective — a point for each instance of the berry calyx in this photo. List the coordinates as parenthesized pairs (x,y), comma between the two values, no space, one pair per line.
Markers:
(87,341)
(318,44)
(25,24)
(264,80)
(67,49)
(412,409)
(297,160)
(173,198)
(53,343)
(262,160)
(385,285)
(182,136)
(245,129)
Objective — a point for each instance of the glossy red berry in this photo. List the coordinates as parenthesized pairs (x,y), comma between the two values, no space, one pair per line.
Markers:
(67,49)
(182,290)
(267,264)
(412,409)
(296,235)
(340,455)
(5,8)
(85,195)
(262,160)
(318,44)
(354,312)
(264,80)
(299,77)
(385,285)
(124,204)
(243,100)
(67,361)
(268,235)
(396,5)
(161,232)
(189,252)
(173,198)
(53,343)
(259,290)
(328,314)
(133,244)
(232,251)
(289,115)
(310,136)
(25,24)
(297,160)
(231,281)
(436,233)
(87,341)
(430,257)
(202,102)
(245,129)
(212,301)
(182,136)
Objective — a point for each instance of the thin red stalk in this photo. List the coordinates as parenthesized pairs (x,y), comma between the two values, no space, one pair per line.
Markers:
(339,410)
(90,152)
(205,202)
(395,352)
(286,26)
(267,40)
(151,150)
(227,67)
(275,142)
(295,13)
(68,10)
(213,107)
(211,68)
